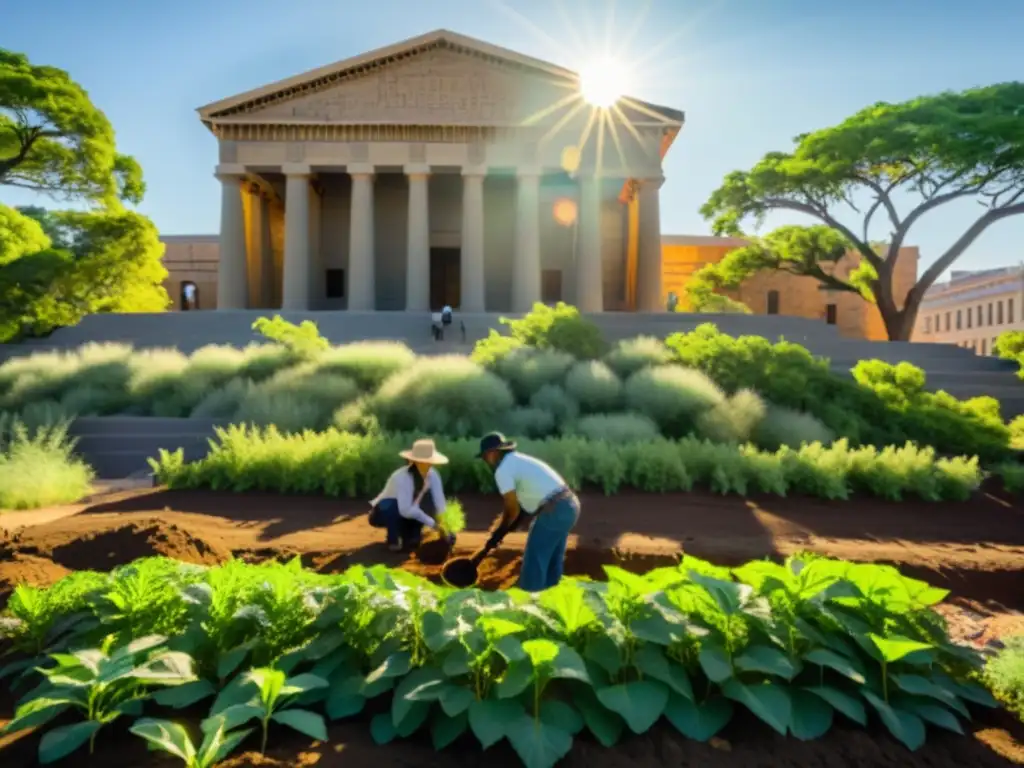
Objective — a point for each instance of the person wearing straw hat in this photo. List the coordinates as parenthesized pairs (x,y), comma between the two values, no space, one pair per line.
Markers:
(531,490)
(412,497)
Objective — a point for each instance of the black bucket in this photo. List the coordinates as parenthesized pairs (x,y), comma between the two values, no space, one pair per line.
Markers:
(459,573)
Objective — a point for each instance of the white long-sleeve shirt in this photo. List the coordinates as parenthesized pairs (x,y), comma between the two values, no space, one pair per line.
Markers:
(400,487)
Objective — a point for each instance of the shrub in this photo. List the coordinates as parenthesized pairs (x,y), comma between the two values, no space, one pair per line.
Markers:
(296,399)
(1010,345)
(557,402)
(528,422)
(561,328)
(224,402)
(1004,674)
(344,464)
(303,340)
(630,355)
(447,395)
(784,426)
(594,386)
(368,363)
(672,396)
(528,369)
(38,467)
(489,351)
(1016,428)
(1012,476)
(616,427)
(733,420)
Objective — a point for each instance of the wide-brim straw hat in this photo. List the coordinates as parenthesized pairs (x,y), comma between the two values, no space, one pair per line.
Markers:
(424,452)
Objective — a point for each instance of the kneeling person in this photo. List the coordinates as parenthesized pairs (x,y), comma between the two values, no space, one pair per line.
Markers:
(412,497)
(530,486)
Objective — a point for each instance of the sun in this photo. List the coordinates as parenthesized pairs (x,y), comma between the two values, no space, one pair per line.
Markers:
(603,82)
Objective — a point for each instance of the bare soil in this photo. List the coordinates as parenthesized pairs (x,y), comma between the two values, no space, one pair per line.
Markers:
(976,549)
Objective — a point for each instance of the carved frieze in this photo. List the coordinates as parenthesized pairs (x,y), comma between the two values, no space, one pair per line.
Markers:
(438,86)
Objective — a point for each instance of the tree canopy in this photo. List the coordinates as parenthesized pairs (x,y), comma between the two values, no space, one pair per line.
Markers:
(54,140)
(931,150)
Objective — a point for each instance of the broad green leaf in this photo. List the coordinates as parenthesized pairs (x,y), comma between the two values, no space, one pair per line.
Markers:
(653,663)
(561,715)
(639,703)
(843,702)
(412,721)
(232,717)
(568,665)
(933,713)
(345,698)
(892,649)
(37,712)
(382,729)
(436,632)
(921,686)
(715,663)
(973,692)
(167,668)
(300,684)
(656,629)
(423,684)
(603,651)
(217,745)
(455,699)
(445,729)
(728,595)
(538,744)
(606,726)
(231,660)
(62,741)
(137,646)
(516,680)
(395,665)
(302,720)
(489,719)
(634,584)
(698,721)
(270,682)
(541,652)
(496,627)
(845,666)
(567,601)
(771,661)
(810,717)
(769,701)
(456,662)
(186,695)
(165,735)
(905,726)
(511,648)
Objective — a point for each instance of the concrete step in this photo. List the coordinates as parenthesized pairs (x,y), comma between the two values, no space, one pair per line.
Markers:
(148,444)
(113,465)
(141,426)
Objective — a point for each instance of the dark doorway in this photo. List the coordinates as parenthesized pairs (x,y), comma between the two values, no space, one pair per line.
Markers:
(445,278)
(551,286)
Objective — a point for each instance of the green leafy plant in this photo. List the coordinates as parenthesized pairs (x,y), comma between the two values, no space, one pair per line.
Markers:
(38,467)
(174,739)
(102,686)
(453,519)
(268,695)
(304,339)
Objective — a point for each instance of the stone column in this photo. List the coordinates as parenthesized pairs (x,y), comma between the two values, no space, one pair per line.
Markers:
(472,254)
(648,272)
(417,264)
(297,254)
(317,275)
(361,283)
(267,269)
(526,270)
(232,271)
(589,265)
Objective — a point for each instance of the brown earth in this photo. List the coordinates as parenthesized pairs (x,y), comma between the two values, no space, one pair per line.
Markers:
(976,549)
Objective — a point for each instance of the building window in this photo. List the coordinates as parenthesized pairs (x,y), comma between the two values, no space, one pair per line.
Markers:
(970,315)
(927,324)
(551,286)
(189,296)
(984,351)
(831,313)
(999,313)
(335,283)
(773,302)
(989,313)
(1009,311)
(948,315)
(979,316)
(959,319)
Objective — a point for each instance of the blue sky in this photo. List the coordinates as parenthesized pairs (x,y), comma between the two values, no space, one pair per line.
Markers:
(750,74)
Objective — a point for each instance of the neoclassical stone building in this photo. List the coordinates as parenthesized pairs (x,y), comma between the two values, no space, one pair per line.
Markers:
(440,170)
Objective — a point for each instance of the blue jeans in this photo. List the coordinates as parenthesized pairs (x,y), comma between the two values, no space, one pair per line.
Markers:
(544,557)
(388,517)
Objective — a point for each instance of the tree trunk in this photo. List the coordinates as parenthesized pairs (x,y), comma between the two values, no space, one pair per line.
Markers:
(899,323)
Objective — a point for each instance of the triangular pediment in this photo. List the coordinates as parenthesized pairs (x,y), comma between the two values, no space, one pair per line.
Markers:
(442,78)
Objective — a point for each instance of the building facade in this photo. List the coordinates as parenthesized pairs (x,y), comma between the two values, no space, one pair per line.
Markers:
(440,170)
(971,309)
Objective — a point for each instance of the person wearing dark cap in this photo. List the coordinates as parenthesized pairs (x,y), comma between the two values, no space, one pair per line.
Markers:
(532,490)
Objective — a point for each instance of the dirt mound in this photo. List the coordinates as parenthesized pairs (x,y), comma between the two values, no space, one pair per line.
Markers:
(110,547)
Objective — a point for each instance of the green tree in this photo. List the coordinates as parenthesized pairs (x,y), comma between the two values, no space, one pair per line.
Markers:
(114,264)
(54,140)
(931,150)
